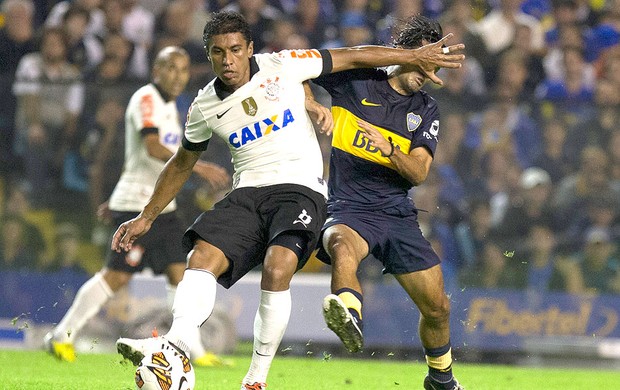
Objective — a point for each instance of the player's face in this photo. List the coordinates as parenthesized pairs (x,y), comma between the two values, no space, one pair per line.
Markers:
(172,76)
(230,58)
(410,80)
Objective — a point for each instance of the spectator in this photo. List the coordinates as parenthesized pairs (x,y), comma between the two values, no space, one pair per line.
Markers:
(84,50)
(505,123)
(49,101)
(539,254)
(555,157)
(498,28)
(354,31)
(613,149)
(528,208)
(465,87)
(173,30)
(592,177)
(260,16)
(594,269)
(20,245)
(572,96)
(400,11)
(67,255)
(138,23)
(316,20)
(16,40)
(598,127)
(96,18)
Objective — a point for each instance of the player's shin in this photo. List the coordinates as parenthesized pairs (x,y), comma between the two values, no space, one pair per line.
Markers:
(88,301)
(193,304)
(270,324)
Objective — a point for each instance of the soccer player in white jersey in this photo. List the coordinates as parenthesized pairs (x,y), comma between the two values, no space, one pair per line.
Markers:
(274,214)
(152,134)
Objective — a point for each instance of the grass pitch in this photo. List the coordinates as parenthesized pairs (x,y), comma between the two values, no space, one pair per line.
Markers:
(36,370)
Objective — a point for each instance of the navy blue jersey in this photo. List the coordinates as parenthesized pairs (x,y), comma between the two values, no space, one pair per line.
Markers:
(359,176)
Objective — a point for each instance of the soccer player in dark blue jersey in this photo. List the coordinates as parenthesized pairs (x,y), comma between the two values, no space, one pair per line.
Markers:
(384,138)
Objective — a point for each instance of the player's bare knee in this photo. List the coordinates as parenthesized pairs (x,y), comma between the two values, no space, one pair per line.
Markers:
(207,257)
(437,311)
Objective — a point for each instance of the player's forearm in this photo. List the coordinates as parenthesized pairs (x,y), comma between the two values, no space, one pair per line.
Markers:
(366,57)
(413,168)
(172,178)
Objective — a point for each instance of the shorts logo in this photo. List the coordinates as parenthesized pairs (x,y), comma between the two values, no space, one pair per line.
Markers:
(134,256)
(413,121)
(272,89)
(303,218)
(249,106)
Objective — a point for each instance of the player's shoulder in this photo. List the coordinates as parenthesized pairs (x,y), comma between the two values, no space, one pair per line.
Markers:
(146,90)
(429,102)
(287,55)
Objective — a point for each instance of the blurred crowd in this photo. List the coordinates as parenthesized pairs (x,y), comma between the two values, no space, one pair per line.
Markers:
(524,191)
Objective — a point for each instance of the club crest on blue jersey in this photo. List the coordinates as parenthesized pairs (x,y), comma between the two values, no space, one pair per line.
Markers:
(249,106)
(260,129)
(413,121)
(272,89)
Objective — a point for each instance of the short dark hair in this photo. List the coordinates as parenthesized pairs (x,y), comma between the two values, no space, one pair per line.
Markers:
(226,22)
(417,29)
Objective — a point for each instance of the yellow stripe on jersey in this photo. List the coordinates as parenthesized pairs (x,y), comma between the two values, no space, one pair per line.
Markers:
(350,138)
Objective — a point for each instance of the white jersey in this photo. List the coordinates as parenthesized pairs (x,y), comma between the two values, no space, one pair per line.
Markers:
(146,112)
(265,123)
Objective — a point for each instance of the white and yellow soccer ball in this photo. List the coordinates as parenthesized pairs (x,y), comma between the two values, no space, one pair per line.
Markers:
(165,369)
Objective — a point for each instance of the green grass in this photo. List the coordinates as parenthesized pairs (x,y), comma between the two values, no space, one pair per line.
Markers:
(35,370)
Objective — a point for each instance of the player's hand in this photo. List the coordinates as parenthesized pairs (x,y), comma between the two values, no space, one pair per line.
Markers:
(320,115)
(217,176)
(375,138)
(433,56)
(104,214)
(128,232)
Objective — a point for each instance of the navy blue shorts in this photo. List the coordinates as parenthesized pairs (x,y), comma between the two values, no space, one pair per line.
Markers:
(158,248)
(393,236)
(248,219)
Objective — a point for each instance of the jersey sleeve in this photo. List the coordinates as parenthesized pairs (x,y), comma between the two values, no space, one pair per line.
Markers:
(428,133)
(305,64)
(142,114)
(197,131)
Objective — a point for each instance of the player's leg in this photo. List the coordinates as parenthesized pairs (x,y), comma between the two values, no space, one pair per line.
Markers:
(343,308)
(274,309)
(88,301)
(200,356)
(426,289)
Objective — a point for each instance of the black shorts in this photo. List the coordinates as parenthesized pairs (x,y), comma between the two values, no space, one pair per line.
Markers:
(158,248)
(393,236)
(245,222)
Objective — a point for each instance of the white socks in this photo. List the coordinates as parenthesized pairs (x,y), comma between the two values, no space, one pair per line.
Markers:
(269,326)
(196,350)
(193,304)
(88,301)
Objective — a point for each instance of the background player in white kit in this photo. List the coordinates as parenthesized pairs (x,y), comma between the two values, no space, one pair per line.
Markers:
(275,212)
(152,134)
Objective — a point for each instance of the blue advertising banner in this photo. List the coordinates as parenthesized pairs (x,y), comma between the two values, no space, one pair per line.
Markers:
(493,319)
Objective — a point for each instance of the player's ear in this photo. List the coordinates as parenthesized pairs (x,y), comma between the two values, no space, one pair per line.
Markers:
(251,49)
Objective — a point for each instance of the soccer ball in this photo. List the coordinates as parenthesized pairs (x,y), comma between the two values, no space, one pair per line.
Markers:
(166,369)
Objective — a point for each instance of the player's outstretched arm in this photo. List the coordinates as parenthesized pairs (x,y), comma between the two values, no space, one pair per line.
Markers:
(428,57)
(175,173)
